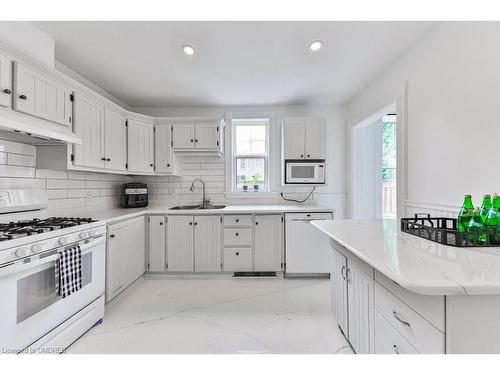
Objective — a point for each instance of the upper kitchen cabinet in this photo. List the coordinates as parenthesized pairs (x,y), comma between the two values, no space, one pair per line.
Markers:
(204,136)
(89,126)
(5,81)
(165,159)
(304,138)
(140,140)
(38,95)
(115,140)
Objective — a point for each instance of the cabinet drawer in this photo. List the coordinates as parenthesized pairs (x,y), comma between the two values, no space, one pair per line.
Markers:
(430,307)
(238,260)
(421,334)
(388,340)
(237,220)
(237,237)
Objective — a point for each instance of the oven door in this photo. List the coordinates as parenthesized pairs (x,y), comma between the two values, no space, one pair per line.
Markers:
(305,173)
(28,289)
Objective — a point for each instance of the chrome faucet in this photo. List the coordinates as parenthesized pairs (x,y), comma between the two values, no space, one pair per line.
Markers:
(204,203)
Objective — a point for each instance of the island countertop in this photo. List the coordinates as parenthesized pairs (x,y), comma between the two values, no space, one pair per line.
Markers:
(416,264)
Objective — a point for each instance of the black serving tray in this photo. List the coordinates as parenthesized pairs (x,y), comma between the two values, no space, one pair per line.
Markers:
(443,230)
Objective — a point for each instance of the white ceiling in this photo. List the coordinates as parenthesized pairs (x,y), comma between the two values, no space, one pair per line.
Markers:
(236,63)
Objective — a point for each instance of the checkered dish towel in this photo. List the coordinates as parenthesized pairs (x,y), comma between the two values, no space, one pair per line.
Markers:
(70,271)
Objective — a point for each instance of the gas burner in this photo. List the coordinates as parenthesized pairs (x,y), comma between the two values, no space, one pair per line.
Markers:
(32,227)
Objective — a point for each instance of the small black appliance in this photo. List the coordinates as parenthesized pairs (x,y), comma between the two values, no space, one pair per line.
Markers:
(134,194)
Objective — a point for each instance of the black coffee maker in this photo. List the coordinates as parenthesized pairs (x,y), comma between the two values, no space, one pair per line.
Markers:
(134,194)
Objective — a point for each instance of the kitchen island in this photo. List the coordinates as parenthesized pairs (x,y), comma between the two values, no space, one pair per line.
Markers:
(396,293)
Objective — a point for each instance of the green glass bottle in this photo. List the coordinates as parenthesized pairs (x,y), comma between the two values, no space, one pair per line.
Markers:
(485,207)
(475,225)
(492,222)
(465,214)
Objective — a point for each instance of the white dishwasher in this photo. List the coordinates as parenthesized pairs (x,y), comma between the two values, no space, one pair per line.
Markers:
(307,249)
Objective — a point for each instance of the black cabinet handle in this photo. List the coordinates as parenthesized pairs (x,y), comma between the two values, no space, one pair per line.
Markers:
(103,159)
(237,234)
(23,97)
(168,165)
(195,223)
(237,220)
(7,91)
(237,253)
(196,140)
(192,140)
(111,236)
(308,155)
(150,165)
(256,223)
(190,223)
(161,223)
(108,159)
(301,156)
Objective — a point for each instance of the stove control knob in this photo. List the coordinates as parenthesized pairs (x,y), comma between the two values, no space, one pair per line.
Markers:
(91,233)
(21,252)
(83,235)
(36,248)
(63,240)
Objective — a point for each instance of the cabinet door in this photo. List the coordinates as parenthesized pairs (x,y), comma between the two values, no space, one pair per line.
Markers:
(294,132)
(183,136)
(140,146)
(115,263)
(134,241)
(89,126)
(163,149)
(5,81)
(315,138)
(207,243)
(156,259)
(206,137)
(180,252)
(115,140)
(38,95)
(361,306)
(268,247)
(339,289)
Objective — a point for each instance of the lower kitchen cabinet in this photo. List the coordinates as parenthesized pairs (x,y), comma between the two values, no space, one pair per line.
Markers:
(353,300)
(207,243)
(126,255)
(180,255)
(156,240)
(268,247)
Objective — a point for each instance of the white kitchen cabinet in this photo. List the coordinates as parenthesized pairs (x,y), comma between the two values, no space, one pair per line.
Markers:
(315,147)
(165,159)
(201,136)
(207,243)
(304,138)
(126,253)
(115,140)
(5,81)
(268,247)
(294,134)
(38,95)
(157,249)
(360,305)
(338,288)
(140,140)
(89,126)
(180,252)
(183,136)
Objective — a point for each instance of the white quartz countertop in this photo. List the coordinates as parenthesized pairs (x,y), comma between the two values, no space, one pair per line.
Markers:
(117,214)
(417,264)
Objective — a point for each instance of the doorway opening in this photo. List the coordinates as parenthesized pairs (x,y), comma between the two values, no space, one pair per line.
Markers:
(374,166)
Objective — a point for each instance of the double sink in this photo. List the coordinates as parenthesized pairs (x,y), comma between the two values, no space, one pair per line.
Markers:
(199,207)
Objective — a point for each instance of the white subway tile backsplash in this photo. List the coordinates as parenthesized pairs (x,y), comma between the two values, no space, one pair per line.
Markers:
(49,173)
(16,171)
(3,158)
(17,148)
(21,160)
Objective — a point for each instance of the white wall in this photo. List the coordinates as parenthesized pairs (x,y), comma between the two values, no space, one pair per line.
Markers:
(453,76)
(26,38)
(332,195)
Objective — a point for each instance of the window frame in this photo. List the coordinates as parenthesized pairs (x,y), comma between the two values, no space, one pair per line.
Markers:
(250,121)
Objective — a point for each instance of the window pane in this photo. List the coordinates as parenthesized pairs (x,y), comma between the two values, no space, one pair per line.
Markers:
(250,139)
(246,169)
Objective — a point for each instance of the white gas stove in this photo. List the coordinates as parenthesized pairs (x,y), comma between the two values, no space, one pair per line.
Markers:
(35,318)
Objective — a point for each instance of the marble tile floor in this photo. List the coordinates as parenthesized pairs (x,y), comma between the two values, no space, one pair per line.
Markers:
(205,315)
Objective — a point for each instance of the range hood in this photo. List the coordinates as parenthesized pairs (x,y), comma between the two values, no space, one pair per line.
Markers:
(18,127)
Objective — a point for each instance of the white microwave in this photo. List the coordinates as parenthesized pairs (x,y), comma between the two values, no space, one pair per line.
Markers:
(304,172)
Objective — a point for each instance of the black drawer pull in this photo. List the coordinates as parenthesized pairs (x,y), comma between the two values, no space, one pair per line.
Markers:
(236,234)
(23,97)
(7,91)
(237,253)
(237,220)
(256,223)
(111,236)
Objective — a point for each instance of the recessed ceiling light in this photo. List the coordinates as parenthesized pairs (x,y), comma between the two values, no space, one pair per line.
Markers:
(188,50)
(316,45)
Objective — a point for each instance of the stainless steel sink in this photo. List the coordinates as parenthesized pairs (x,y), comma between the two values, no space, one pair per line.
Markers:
(198,207)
